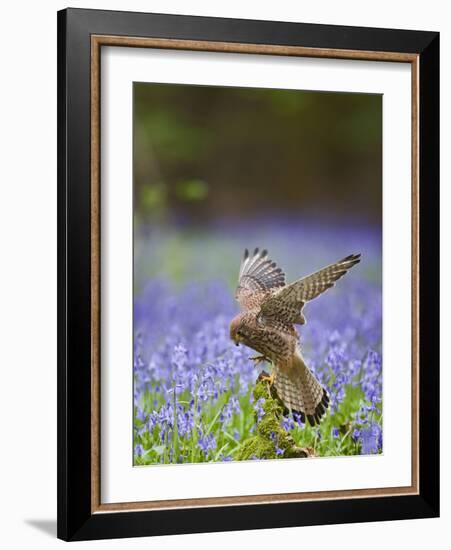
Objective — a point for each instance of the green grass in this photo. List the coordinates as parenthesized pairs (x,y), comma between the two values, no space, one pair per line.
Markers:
(231,436)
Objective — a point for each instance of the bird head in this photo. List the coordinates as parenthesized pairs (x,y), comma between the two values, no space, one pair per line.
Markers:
(235,330)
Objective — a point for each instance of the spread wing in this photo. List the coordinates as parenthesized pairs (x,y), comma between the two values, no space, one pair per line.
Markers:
(258,276)
(286,304)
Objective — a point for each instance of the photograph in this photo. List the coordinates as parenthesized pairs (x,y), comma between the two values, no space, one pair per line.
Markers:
(257,271)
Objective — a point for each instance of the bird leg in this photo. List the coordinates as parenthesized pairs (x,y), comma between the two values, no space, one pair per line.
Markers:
(258,359)
(269,378)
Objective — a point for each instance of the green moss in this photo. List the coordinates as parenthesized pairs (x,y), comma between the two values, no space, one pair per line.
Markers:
(269,436)
(256,447)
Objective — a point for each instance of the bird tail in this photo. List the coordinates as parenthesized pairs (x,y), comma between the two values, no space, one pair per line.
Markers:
(300,391)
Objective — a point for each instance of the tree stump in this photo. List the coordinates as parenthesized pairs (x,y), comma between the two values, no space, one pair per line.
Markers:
(270,439)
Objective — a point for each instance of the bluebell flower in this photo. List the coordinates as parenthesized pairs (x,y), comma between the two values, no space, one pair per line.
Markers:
(371,439)
(298,419)
(141,415)
(223,458)
(287,423)
(179,356)
(207,443)
(139,450)
(258,407)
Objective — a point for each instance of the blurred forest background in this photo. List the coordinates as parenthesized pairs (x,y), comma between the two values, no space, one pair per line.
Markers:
(204,153)
(219,169)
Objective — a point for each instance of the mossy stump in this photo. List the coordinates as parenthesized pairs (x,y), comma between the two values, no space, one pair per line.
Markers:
(270,439)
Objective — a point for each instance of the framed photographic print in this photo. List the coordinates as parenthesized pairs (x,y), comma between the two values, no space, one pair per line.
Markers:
(248,274)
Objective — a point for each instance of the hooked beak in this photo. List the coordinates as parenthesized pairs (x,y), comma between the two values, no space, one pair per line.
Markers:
(236,338)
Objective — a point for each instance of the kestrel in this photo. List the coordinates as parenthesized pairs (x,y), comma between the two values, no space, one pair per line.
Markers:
(270,309)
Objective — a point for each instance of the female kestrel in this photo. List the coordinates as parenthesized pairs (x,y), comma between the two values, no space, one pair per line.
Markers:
(270,309)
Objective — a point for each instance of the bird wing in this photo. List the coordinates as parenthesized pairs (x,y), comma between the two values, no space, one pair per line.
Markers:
(258,276)
(286,304)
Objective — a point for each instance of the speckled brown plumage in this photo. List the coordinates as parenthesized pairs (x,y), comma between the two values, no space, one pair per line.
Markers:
(270,309)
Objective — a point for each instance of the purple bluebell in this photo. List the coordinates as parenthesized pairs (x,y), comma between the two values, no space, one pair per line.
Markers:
(371,438)
(258,407)
(193,386)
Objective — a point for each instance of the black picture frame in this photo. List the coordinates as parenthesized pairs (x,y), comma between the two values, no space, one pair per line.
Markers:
(76,520)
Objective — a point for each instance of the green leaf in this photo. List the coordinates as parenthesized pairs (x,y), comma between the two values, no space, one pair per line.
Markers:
(159,449)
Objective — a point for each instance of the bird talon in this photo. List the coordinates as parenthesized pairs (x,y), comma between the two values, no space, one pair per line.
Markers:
(269,379)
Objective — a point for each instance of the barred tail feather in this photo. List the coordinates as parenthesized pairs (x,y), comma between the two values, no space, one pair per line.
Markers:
(300,391)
